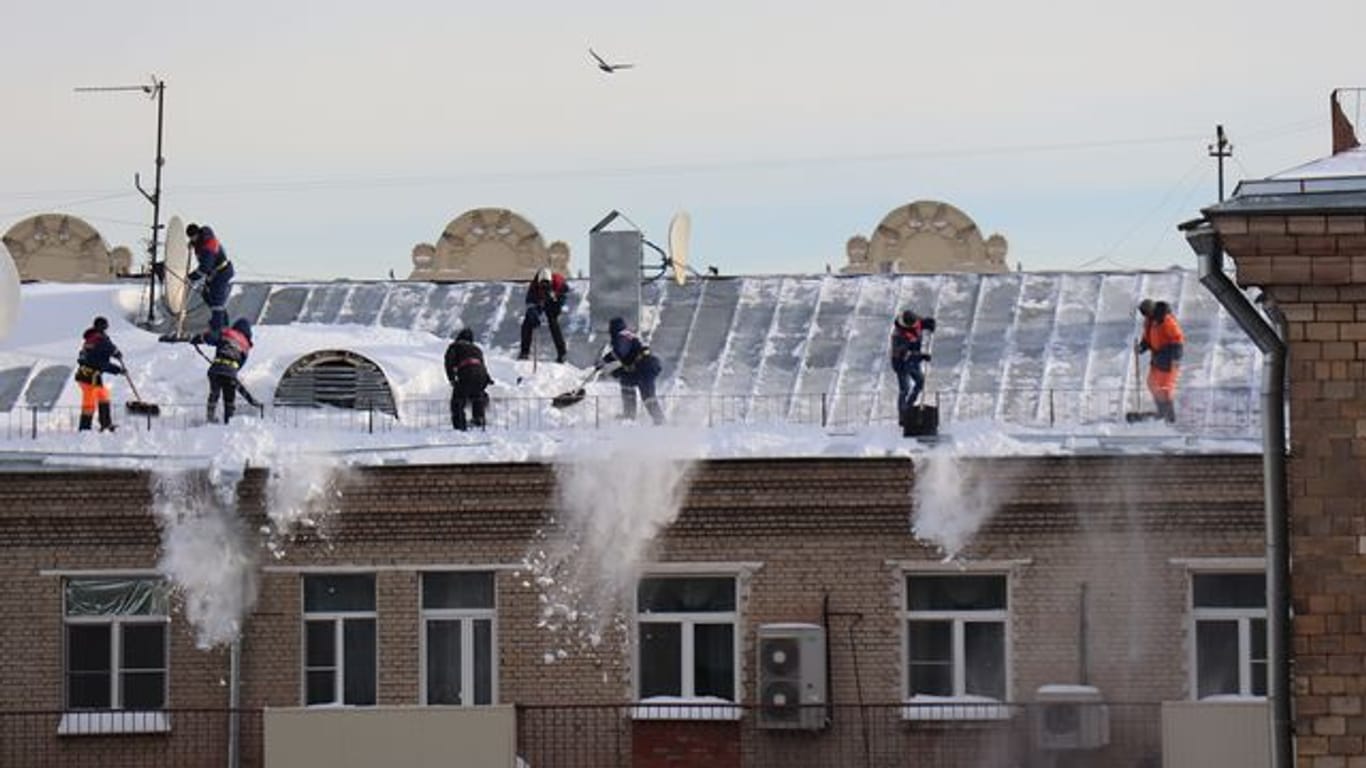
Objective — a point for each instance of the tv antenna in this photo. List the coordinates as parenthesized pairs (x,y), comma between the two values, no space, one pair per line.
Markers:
(156,89)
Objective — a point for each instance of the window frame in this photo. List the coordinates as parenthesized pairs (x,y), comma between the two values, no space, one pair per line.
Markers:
(688,621)
(466,617)
(338,620)
(959,619)
(116,624)
(1243,616)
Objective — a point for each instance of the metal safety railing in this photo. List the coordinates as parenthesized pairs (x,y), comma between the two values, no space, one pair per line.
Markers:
(892,735)
(1224,412)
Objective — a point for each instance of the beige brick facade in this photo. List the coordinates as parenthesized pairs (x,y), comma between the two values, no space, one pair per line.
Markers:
(1315,268)
(815,534)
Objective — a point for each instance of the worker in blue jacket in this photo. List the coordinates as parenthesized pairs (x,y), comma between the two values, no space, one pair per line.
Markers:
(908,333)
(631,363)
(231,347)
(214,269)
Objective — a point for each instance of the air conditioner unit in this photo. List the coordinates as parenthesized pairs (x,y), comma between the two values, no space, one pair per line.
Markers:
(791,675)
(1070,717)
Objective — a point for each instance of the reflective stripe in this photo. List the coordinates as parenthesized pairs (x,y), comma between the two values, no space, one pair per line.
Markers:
(226,362)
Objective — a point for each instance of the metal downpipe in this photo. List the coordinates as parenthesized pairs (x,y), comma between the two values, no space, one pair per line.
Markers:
(1205,242)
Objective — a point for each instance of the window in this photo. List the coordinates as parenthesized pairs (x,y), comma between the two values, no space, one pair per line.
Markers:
(116,639)
(339,639)
(1229,612)
(685,636)
(956,636)
(458,641)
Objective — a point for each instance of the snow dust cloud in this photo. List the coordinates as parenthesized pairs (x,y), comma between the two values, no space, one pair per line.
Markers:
(614,494)
(953,496)
(206,552)
(209,553)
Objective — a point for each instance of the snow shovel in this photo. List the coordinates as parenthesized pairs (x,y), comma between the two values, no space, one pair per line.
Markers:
(138,406)
(1137,415)
(566,399)
(922,420)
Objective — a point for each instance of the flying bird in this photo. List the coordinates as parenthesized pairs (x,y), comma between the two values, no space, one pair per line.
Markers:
(604,66)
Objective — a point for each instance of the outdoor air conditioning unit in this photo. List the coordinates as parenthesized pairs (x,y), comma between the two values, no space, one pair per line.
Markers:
(791,674)
(1070,717)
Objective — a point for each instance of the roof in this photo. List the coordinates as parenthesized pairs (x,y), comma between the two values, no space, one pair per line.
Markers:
(1328,185)
(1048,351)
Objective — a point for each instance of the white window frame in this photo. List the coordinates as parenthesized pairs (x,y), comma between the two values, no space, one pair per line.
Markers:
(688,621)
(466,617)
(958,619)
(115,623)
(339,649)
(1244,617)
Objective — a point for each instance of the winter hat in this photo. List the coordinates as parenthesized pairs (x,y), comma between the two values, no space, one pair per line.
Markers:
(906,319)
(192,231)
(1145,307)
(465,335)
(616,325)
(100,324)
(243,326)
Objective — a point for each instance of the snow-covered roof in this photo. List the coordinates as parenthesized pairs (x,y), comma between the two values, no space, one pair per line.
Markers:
(1032,352)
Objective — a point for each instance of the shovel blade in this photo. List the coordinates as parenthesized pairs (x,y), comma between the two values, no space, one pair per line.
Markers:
(569,398)
(140,408)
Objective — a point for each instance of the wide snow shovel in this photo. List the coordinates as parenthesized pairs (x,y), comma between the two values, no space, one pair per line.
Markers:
(922,420)
(138,406)
(566,399)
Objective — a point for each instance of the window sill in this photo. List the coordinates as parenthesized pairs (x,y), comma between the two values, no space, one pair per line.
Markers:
(676,708)
(954,708)
(113,722)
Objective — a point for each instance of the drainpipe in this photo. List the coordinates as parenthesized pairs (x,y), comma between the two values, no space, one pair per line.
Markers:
(234,700)
(1205,242)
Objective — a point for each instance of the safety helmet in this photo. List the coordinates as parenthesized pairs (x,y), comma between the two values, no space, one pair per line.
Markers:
(192,231)
(543,275)
(242,326)
(100,324)
(906,319)
(465,335)
(616,325)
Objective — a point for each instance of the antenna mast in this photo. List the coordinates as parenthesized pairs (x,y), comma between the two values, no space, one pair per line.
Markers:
(1220,149)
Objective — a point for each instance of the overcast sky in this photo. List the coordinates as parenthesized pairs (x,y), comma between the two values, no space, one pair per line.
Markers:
(325,139)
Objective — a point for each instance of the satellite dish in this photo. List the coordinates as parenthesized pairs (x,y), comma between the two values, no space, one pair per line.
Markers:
(177,266)
(9,292)
(680,229)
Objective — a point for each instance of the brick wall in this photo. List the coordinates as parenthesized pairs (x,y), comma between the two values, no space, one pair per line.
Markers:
(1315,268)
(823,533)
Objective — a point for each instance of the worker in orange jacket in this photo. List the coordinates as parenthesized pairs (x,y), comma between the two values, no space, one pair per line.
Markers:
(1162,337)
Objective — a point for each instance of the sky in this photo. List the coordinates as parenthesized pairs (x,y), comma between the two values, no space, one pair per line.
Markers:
(326,139)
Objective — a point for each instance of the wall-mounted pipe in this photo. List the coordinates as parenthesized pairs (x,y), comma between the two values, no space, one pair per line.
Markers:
(1205,242)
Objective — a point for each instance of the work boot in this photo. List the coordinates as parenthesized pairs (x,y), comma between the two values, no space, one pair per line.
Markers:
(228,411)
(106,418)
(209,412)
(656,411)
(628,404)
(86,419)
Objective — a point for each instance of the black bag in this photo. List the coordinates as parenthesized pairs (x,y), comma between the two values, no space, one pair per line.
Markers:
(920,421)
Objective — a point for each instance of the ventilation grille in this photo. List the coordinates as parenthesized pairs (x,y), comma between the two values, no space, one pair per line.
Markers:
(338,379)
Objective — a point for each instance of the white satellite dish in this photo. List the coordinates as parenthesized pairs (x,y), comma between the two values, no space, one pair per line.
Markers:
(9,292)
(177,284)
(680,229)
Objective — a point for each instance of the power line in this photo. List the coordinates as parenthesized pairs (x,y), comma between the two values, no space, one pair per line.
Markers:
(664,169)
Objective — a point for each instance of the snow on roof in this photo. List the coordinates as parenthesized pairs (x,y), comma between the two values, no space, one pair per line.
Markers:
(767,365)
(1350,163)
